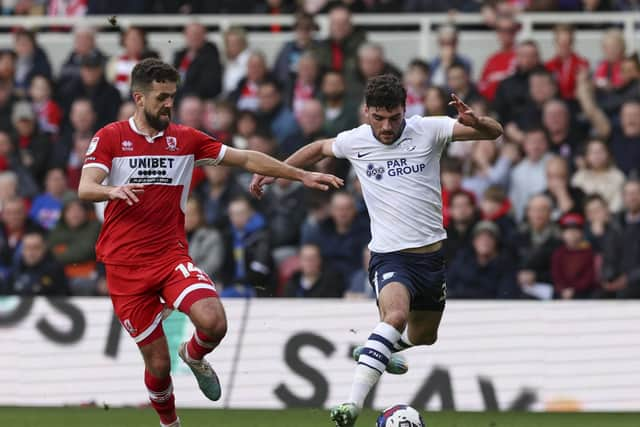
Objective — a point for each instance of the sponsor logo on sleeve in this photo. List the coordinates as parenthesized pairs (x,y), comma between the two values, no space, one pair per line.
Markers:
(92,145)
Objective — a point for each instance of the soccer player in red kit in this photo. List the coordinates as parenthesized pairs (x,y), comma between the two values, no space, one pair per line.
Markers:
(142,168)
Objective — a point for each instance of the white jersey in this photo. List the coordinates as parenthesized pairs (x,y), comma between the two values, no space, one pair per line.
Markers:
(400,182)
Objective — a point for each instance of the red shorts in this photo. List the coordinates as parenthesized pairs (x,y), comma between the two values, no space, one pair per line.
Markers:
(136,291)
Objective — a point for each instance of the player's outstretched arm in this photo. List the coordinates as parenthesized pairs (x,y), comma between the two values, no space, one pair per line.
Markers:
(472,127)
(305,156)
(92,190)
(260,163)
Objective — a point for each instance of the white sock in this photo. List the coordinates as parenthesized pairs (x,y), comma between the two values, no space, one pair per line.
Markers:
(404,342)
(373,361)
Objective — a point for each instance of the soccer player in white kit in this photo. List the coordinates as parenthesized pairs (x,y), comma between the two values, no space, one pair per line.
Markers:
(398,164)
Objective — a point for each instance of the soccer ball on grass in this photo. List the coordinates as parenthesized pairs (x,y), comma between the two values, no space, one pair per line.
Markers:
(400,416)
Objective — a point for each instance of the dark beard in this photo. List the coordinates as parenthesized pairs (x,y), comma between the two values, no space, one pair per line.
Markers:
(156,122)
(334,97)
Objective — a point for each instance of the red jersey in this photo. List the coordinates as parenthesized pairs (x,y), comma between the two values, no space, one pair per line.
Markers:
(152,229)
(566,71)
(497,68)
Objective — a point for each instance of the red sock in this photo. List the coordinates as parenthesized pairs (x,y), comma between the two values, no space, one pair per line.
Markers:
(161,397)
(200,344)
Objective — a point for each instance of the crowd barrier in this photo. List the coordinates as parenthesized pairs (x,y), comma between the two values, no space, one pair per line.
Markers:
(279,353)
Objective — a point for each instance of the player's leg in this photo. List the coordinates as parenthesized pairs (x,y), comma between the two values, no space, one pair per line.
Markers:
(157,379)
(422,328)
(394,302)
(191,291)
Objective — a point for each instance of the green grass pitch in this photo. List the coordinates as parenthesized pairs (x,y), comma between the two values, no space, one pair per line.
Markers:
(100,417)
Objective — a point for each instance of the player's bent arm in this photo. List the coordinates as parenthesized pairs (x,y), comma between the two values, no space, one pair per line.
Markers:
(312,153)
(485,128)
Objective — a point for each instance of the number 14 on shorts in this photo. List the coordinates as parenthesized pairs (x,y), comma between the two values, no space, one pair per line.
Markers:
(188,270)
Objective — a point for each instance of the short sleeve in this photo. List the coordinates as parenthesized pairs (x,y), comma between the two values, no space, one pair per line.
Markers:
(208,151)
(341,146)
(100,152)
(440,128)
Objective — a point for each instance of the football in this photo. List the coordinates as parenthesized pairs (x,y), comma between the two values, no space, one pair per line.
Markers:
(400,416)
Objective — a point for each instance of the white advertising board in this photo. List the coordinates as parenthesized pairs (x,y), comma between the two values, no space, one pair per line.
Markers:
(283,353)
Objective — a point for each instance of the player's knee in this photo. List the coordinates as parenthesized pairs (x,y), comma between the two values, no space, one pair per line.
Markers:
(396,318)
(214,326)
(159,367)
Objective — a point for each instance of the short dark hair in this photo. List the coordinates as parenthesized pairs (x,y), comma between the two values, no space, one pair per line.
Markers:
(419,63)
(152,70)
(385,91)
(451,165)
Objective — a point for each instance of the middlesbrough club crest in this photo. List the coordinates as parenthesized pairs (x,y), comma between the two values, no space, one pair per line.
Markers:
(172,143)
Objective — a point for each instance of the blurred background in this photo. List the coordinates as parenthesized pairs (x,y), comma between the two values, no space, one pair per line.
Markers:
(548,212)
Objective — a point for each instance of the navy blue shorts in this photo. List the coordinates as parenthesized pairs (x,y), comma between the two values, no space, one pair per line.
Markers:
(422,274)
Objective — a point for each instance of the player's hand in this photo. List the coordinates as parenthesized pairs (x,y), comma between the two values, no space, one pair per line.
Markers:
(466,116)
(257,182)
(127,192)
(321,181)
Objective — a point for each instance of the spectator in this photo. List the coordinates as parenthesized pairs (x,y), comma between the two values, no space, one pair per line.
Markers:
(245,96)
(82,124)
(7,100)
(599,224)
(252,263)
(191,112)
(133,40)
(47,110)
(47,207)
(15,224)
(219,120)
(72,242)
(501,64)
(273,114)
(625,138)
(440,6)
(246,126)
(600,175)
(36,271)
(565,198)
(359,285)
(76,160)
(8,60)
(565,136)
(489,167)
(68,8)
(274,7)
(314,280)
(481,271)
(566,64)
(534,245)
(237,53)
(286,65)
(127,109)
(84,43)
(305,86)
(206,246)
(459,82)
(451,180)
(18,179)
(542,89)
(31,60)
(340,111)
(198,64)
(34,147)
(339,51)
(463,218)
(611,101)
(284,207)
(371,63)
(416,81)
(447,55)
(607,74)
(496,207)
(621,260)
(215,193)
(436,101)
(528,177)
(342,236)
(311,120)
(512,94)
(573,263)
(92,84)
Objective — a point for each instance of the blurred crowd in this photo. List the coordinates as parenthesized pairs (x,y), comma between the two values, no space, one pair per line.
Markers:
(549,210)
(95,7)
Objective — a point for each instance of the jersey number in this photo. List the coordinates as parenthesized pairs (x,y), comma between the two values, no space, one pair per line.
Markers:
(189,269)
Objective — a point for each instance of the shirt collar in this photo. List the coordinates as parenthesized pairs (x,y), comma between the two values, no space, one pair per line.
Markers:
(151,139)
